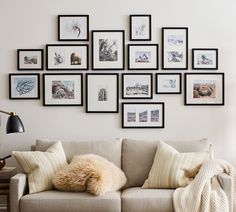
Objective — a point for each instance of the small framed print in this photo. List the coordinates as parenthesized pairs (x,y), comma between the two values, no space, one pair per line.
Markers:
(205,59)
(143,56)
(175,48)
(30,59)
(63,89)
(204,88)
(73,27)
(102,93)
(140,28)
(137,86)
(67,57)
(143,115)
(24,86)
(168,83)
(108,50)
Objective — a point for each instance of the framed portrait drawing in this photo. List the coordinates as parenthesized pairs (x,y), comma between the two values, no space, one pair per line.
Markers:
(108,49)
(204,59)
(204,88)
(30,59)
(63,89)
(175,48)
(73,27)
(102,93)
(24,86)
(140,27)
(137,86)
(143,115)
(143,56)
(67,57)
(168,83)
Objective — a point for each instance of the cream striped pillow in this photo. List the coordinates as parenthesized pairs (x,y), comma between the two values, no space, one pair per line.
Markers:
(41,166)
(171,169)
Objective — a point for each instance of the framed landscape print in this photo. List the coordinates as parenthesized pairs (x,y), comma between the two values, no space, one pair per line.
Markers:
(137,86)
(143,56)
(67,57)
(102,93)
(140,27)
(24,86)
(175,48)
(205,59)
(143,115)
(108,50)
(30,59)
(73,27)
(63,89)
(168,83)
(204,89)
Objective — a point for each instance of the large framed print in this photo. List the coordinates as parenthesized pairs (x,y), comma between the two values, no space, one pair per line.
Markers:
(102,93)
(24,86)
(73,27)
(108,49)
(143,115)
(137,86)
(175,48)
(63,89)
(67,57)
(204,88)
(30,59)
(143,56)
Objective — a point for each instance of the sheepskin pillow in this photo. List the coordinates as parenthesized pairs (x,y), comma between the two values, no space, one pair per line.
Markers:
(91,173)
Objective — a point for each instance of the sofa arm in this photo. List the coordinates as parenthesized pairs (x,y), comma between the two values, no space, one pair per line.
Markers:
(18,187)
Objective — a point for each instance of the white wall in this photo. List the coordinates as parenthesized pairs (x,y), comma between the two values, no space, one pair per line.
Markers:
(32,24)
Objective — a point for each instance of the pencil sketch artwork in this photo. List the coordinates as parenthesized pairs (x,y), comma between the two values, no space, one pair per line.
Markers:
(75,59)
(59,58)
(205,59)
(24,85)
(143,57)
(73,27)
(154,115)
(102,94)
(143,116)
(131,117)
(204,89)
(31,59)
(140,29)
(63,89)
(138,88)
(175,40)
(175,56)
(108,50)
(169,83)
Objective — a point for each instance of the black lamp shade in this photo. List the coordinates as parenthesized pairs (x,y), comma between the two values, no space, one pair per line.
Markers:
(14,125)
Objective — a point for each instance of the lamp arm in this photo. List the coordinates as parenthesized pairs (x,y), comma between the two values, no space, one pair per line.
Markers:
(8,113)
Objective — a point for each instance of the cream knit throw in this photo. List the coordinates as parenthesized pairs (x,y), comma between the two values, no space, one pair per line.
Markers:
(204,193)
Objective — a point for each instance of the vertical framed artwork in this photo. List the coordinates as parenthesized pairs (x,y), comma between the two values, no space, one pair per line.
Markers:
(24,86)
(175,48)
(73,27)
(102,93)
(108,49)
(140,28)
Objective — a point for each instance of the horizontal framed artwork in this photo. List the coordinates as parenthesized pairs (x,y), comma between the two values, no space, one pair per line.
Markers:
(143,56)
(63,89)
(24,86)
(30,59)
(143,115)
(67,57)
(204,88)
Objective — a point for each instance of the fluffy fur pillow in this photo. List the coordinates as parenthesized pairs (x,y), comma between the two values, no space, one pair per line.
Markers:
(91,173)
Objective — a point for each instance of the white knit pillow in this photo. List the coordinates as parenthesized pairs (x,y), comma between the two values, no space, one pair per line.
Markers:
(172,169)
(41,166)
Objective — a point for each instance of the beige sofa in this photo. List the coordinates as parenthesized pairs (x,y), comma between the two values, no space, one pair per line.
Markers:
(135,157)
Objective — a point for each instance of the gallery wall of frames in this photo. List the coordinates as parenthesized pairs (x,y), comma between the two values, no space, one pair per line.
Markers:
(110,81)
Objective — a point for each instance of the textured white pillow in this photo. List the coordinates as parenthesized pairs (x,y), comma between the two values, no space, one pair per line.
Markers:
(41,166)
(171,169)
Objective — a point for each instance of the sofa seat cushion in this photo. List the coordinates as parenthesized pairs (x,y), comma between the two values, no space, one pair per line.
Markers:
(59,201)
(148,200)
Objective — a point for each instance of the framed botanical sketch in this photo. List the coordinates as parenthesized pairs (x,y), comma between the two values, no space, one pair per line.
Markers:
(143,56)
(168,83)
(137,86)
(204,88)
(205,59)
(143,115)
(67,57)
(140,28)
(102,93)
(175,48)
(63,89)
(73,27)
(30,59)
(108,49)
(24,86)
